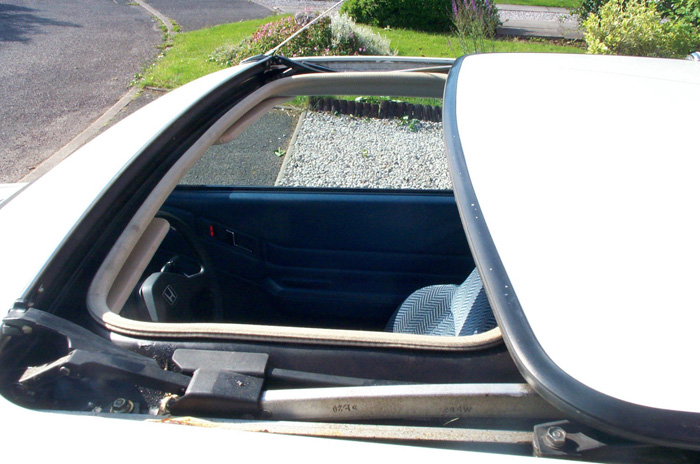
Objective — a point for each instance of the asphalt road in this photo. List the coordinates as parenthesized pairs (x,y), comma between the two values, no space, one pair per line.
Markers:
(198,14)
(62,65)
(250,158)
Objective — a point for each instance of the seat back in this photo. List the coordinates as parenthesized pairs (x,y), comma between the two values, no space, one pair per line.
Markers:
(447,310)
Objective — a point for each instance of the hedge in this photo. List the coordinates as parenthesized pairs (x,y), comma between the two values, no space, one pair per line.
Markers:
(421,15)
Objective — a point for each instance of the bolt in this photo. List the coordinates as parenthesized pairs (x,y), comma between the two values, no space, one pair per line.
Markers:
(121,405)
(63,370)
(170,402)
(555,437)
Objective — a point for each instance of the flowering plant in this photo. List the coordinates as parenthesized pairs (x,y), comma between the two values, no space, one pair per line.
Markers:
(319,39)
(474,21)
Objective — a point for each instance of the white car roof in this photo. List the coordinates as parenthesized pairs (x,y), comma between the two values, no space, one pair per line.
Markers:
(579,186)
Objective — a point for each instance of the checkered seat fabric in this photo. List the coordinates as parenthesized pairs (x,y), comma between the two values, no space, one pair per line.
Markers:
(450,310)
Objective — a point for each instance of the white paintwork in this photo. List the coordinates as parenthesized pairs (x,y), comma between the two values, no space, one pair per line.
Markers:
(32,227)
(41,436)
(7,190)
(587,171)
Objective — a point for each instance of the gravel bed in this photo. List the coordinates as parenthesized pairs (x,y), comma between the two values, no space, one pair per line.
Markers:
(535,16)
(351,152)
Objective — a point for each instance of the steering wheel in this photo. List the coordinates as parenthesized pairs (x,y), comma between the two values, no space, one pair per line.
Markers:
(172,296)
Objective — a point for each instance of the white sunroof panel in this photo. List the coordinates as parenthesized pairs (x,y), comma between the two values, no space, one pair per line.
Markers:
(585,170)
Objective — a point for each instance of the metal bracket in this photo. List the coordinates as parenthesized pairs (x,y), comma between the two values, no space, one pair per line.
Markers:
(566,439)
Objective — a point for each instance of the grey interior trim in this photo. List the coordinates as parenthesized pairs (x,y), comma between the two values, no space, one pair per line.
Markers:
(255,114)
(374,63)
(228,127)
(136,264)
(399,84)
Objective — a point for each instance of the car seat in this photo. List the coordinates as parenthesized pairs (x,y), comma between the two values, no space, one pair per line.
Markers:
(450,310)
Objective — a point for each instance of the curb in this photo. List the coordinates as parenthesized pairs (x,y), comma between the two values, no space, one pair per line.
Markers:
(94,128)
(167,22)
(290,149)
(81,138)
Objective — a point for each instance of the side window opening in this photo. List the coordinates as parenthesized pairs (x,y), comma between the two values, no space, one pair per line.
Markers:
(334,142)
(254,158)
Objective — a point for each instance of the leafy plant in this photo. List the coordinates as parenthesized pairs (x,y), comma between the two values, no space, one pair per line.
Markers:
(411,123)
(349,35)
(320,39)
(635,27)
(375,99)
(587,8)
(474,21)
(269,35)
(421,15)
(138,77)
(280,152)
(686,10)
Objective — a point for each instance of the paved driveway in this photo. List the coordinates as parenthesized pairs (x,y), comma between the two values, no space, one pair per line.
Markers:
(198,14)
(62,64)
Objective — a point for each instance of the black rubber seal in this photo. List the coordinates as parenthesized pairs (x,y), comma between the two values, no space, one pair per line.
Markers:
(580,402)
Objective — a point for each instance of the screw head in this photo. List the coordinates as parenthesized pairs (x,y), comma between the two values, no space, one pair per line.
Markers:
(121,405)
(555,437)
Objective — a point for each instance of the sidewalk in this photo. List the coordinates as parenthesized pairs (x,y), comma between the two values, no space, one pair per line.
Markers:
(538,21)
(518,20)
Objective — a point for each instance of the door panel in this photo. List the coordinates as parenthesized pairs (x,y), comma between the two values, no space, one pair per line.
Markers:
(325,258)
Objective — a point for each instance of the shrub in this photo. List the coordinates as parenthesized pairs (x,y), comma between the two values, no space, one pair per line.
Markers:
(686,10)
(635,27)
(474,21)
(351,36)
(320,39)
(587,8)
(421,15)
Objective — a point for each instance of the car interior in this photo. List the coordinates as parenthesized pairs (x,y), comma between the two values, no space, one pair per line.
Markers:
(307,263)
(310,258)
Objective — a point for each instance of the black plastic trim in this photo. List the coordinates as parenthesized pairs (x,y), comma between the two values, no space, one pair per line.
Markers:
(660,426)
(489,365)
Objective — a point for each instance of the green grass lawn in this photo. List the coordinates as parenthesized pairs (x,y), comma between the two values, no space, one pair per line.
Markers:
(412,43)
(568,4)
(187,60)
